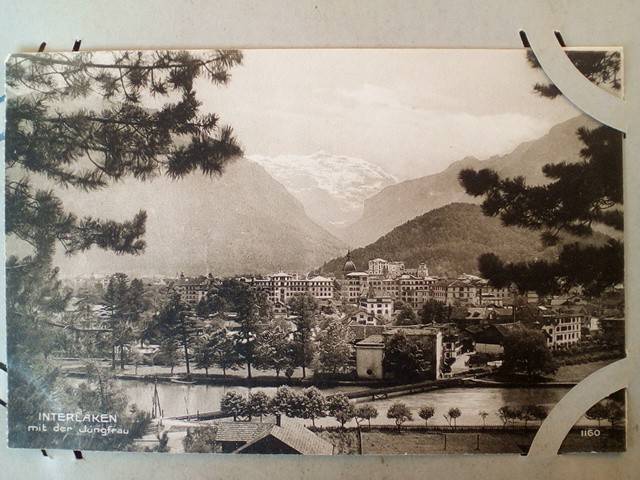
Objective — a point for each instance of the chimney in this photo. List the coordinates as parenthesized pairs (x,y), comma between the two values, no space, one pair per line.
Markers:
(278,419)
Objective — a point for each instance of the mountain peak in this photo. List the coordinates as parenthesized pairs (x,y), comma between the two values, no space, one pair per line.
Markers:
(331,187)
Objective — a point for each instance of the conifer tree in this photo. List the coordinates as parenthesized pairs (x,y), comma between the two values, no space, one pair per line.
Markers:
(304,308)
(334,347)
(177,324)
(252,307)
(274,350)
(79,120)
(578,196)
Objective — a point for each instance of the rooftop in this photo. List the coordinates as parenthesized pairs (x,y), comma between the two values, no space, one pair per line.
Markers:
(296,436)
(372,340)
(240,431)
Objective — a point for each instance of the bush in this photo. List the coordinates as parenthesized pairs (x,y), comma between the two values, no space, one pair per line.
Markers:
(200,440)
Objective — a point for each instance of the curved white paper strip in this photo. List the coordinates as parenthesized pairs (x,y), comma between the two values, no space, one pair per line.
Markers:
(588,97)
(575,403)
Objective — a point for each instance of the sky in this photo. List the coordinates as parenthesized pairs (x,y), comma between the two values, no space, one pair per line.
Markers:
(412,112)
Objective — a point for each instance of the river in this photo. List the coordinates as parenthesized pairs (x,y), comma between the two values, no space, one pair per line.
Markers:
(177,399)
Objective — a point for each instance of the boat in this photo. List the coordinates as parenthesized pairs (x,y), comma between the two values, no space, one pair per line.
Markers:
(184,382)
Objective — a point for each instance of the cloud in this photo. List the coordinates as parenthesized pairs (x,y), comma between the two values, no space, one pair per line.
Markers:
(412,112)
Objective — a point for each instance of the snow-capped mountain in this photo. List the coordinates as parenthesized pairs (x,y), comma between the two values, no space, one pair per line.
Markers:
(332,188)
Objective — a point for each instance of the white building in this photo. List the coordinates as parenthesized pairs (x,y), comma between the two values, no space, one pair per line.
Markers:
(377,266)
(379,306)
(281,286)
(563,329)
(469,290)
(192,290)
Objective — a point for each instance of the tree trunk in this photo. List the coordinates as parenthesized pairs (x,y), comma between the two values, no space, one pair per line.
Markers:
(186,358)
(206,371)
(113,357)
(249,370)
(304,372)
(224,373)
(121,357)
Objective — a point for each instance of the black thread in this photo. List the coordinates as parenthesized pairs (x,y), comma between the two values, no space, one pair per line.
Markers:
(44,453)
(76,46)
(78,454)
(3,403)
(3,366)
(524,39)
(559,38)
(42,47)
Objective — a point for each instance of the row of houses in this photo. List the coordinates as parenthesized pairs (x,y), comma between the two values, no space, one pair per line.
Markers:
(417,290)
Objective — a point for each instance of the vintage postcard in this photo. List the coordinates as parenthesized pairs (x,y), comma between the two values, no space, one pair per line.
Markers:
(316,252)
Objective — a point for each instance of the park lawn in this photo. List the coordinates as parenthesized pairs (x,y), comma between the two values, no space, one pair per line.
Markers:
(579,371)
(608,441)
(344,442)
(408,442)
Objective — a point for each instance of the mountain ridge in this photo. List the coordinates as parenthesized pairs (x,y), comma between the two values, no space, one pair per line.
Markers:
(396,204)
(239,223)
(449,240)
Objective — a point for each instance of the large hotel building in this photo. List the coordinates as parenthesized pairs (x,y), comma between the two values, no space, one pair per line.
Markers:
(282,286)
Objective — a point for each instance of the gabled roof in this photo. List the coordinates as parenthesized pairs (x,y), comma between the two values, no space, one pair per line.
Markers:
(296,436)
(506,328)
(240,431)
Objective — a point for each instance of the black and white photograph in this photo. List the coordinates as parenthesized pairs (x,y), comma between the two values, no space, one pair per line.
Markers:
(309,251)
